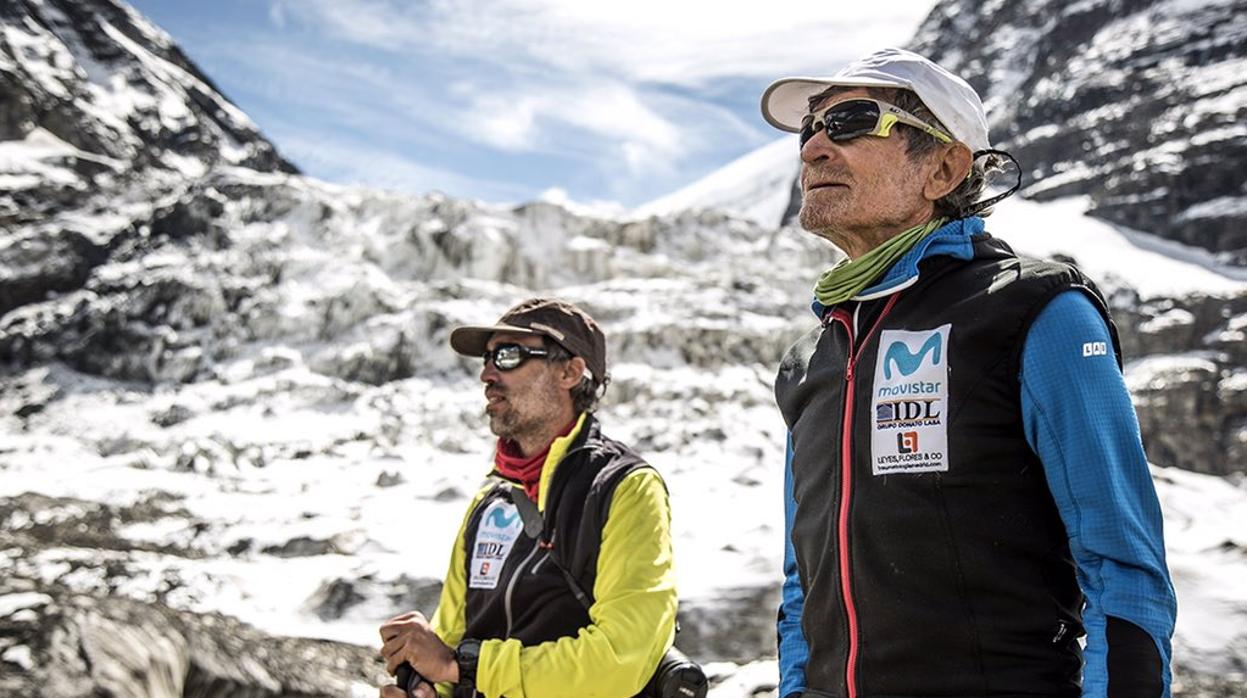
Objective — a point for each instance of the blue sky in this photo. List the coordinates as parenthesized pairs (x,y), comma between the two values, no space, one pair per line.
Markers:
(513,100)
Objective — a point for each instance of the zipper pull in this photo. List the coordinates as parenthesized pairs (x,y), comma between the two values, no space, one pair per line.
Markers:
(848,371)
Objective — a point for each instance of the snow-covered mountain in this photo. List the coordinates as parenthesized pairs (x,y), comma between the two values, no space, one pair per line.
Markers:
(226,389)
(1137,104)
(759,186)
(103,123)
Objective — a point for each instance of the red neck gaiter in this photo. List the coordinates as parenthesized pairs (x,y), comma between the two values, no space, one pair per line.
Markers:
(512,465)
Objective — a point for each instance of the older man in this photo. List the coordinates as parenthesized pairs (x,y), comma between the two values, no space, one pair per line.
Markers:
(560,581)
(967,493)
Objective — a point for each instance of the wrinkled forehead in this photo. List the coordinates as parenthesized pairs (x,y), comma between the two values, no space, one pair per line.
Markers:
(497,338)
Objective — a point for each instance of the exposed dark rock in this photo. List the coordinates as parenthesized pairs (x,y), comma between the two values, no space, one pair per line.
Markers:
(216,456)
(378,364)
(1189,683)
(32,520)
(27,394)
(448,494)
(79,645)
(194,215)
(414,594)
(150,328)
(303,546)
(81,29)
(1177,400)
(738,626)
(335,598)
(390,479)
(172,415)
(40,264)
(1131,103)
(1182,356)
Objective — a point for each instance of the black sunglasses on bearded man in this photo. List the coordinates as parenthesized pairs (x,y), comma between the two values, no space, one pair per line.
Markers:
(508,357)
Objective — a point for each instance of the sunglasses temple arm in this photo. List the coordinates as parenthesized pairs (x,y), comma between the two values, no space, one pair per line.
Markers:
(981,205)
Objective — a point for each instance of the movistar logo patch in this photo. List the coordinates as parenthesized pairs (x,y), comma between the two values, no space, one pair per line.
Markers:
(907,363)
(498,519)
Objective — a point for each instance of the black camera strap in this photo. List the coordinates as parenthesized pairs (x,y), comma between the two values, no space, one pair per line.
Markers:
(686,680)
(534,526)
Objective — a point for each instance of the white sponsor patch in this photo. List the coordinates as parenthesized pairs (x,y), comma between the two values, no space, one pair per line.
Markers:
(909,406)
(499,528)
(1095,349)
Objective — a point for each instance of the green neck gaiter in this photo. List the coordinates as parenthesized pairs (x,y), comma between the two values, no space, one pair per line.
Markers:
(849,276)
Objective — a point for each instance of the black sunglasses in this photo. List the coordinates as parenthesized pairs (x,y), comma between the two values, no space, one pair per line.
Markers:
(507,357)
(862,117)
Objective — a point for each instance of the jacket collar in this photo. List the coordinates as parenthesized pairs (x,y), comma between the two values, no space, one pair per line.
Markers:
(953,239)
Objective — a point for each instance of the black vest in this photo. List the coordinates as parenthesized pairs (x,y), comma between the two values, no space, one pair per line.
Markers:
(526,596)
(959,577)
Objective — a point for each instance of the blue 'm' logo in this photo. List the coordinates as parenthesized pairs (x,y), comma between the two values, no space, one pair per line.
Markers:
(497,519)
(908,363)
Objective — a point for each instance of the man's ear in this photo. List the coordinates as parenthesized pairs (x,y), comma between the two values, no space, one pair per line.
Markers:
(572,372)
(951,169)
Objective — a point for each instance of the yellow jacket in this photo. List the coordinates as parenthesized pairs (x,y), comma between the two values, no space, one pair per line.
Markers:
(632,619)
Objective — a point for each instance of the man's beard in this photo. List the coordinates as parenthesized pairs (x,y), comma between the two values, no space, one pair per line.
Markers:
(818,214)
(527,415)
(507,424)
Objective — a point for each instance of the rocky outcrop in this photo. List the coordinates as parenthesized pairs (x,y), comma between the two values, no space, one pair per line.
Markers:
(1137,104)
(103,123)
(97,76)
(737,625)
(60,645)
(1184,367)
(69,630)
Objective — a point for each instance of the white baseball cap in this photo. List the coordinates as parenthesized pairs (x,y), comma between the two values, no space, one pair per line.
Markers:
(950,98)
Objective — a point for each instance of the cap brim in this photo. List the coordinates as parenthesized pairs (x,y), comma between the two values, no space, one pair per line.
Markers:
(787,100)
(471,341)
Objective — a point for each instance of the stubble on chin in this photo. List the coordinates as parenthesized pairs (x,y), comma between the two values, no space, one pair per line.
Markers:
(511,424)
(814,221)
(501,425)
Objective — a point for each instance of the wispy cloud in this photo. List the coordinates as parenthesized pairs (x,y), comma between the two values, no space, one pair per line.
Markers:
(630,100)
(538,115)
(679,43)
(539,67)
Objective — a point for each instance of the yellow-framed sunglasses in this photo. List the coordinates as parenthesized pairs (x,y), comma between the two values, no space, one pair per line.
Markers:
(862,117)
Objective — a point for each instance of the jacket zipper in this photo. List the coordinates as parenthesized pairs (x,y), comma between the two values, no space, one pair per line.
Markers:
(542,561)
(519,571)
(846,481)
(515,576)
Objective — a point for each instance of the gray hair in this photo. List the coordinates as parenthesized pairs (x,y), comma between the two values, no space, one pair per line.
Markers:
(959,203)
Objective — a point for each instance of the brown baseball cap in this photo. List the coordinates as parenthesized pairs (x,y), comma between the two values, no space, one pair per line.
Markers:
(563,322)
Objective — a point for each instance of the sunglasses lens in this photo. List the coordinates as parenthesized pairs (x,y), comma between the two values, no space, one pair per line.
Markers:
(851,119)
(505,356)
(808,130)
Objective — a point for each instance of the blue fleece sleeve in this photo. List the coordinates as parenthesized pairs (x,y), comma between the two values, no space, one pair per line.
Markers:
(793,651)
(1080,421)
